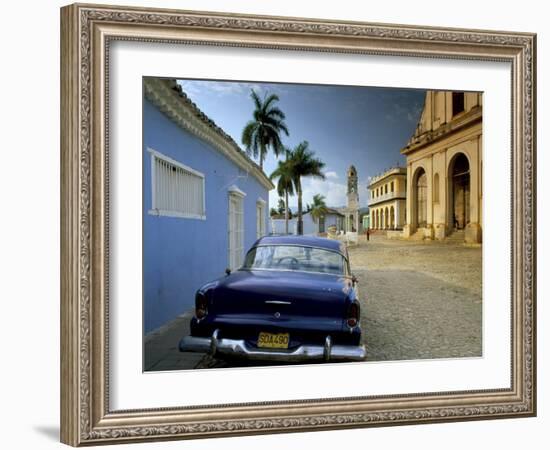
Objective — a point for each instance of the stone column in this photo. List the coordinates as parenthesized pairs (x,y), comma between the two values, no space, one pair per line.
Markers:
(396,215)
(473,229)
(408,229)
(429,232)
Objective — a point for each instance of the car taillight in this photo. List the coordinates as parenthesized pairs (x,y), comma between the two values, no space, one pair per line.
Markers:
(353,315)
(201,309)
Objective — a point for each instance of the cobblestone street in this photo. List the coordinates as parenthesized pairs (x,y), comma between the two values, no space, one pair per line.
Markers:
(423,301)
(423,298)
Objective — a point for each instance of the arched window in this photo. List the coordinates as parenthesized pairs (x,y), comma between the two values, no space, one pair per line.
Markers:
(421,198)
(460,191)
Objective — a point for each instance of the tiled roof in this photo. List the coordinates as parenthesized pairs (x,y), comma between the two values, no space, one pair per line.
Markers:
(158,91)
(207,120)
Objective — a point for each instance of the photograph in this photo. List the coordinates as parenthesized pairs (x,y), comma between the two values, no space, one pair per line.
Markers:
(288,223)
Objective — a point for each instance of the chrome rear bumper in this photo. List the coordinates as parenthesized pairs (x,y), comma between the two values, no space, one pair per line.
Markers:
(239,348)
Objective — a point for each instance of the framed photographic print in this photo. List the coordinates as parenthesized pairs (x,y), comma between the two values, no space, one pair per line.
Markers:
(277,225)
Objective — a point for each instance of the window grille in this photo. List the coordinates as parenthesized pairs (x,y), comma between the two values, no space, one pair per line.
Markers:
(178,191)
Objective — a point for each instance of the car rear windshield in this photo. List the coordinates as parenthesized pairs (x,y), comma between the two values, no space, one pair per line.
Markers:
(293,257)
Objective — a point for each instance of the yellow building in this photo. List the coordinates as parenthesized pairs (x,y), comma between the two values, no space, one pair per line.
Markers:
(387,199)
(444,168)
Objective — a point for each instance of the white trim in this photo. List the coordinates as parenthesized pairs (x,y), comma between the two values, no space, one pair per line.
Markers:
(165,213)
(235,229)
(174,162)
(159,92)
(169,213)
(261,223)
(153,180)
(234,190)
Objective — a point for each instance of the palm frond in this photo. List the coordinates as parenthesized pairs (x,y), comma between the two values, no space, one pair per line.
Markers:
(268,100)
(263,133)
(256,99)
(276,113)
(248,131)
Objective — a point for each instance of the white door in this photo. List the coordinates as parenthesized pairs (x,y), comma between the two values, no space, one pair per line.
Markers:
(236,232)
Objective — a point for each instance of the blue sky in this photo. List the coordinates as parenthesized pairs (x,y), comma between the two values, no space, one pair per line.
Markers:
(344,125)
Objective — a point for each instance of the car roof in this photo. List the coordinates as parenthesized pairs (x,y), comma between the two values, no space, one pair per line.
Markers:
(306,241)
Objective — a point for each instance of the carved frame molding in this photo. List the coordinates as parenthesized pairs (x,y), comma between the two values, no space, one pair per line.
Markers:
(86,32)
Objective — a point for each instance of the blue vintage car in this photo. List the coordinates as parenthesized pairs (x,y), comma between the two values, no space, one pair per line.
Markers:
(293,300)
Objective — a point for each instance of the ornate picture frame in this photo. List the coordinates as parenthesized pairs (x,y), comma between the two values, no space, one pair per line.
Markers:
(87,31)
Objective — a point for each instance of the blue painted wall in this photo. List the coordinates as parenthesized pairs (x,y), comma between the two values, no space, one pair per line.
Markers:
(180,254)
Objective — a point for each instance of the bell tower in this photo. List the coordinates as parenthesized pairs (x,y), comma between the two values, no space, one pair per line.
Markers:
(353,195)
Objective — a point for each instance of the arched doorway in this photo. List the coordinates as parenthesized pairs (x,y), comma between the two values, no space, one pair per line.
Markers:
(392,218)
(421,191)
(460,191)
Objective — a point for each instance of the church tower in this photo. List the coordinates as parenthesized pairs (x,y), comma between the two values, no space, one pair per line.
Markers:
(351,211)
(353,195)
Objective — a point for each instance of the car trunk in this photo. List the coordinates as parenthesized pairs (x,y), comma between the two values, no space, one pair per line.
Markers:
(266,292)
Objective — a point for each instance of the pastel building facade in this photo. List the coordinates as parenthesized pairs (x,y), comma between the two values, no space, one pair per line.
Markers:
(387,200)
(444,168)
(204,202)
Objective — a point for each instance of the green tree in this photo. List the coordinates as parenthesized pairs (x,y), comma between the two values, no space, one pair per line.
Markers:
(285,184)
(318,207)
(264,131)
(281,206)
(273,212)
(304,164)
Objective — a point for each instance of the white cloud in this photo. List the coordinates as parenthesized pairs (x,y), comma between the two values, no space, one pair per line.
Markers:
(332,174)
(197,87)
(223,88)
(334,193)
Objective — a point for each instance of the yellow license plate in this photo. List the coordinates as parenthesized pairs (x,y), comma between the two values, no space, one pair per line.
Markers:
(270,340)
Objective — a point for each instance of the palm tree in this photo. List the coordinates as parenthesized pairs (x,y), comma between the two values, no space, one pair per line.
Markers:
(304,164)
(318,207)
(264,131)
(281,206)
(285,183)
